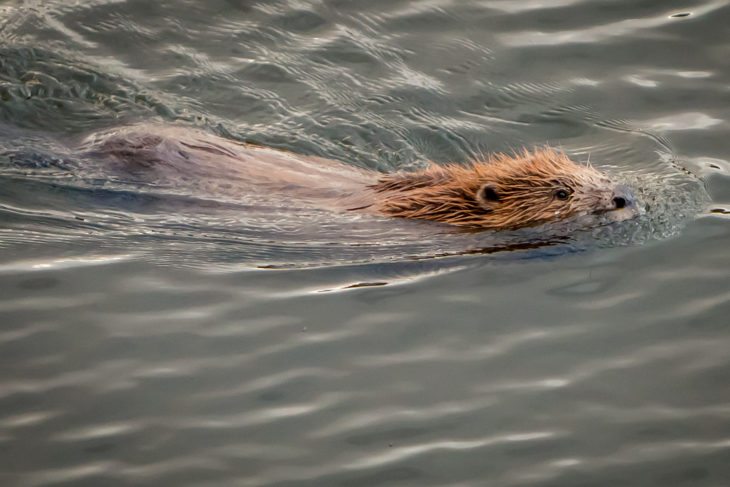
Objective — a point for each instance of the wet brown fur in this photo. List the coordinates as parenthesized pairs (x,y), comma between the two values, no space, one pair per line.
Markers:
(502,192)
(499,192)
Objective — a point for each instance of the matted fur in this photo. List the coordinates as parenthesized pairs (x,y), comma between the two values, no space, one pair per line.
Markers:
(501,192)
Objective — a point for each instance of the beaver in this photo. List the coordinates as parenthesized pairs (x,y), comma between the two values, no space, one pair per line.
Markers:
(496,192)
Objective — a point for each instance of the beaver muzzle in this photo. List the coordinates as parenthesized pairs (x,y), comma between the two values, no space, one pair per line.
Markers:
(623,198)
(621,206)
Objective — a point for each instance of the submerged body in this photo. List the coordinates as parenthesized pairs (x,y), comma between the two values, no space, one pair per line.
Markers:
(500,192)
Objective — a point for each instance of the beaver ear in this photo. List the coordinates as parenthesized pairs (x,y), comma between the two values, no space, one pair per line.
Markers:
(488,196)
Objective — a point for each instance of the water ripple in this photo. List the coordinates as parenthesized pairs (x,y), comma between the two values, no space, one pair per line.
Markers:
(174,335)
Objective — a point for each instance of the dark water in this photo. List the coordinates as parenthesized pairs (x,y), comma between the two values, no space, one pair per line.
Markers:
(155,336)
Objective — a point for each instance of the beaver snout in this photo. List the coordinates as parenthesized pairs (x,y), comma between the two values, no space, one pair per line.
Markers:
(623,205)
(622,197)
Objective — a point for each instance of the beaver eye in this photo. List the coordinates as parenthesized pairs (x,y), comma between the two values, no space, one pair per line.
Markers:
(562,194)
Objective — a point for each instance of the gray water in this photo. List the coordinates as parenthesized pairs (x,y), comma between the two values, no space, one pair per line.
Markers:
(154,336)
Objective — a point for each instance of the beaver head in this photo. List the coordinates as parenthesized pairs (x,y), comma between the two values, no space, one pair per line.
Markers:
(504,192)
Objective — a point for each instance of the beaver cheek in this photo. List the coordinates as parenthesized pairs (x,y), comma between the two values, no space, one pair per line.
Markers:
(569,211)
(563,214)
(607,203)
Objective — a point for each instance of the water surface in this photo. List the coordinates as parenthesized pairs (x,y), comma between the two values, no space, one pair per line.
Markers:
(153,336)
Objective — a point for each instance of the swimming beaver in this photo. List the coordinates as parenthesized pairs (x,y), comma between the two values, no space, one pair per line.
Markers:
(500,192)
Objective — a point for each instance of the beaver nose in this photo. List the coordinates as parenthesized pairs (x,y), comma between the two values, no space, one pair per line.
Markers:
(622,197)
(619,202)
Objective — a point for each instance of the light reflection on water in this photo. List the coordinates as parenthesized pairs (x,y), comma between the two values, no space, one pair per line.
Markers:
(153,336)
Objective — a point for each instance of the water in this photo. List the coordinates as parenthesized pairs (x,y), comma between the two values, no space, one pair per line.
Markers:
(160,336)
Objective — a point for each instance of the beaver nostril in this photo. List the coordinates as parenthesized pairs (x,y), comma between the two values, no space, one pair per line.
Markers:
(619,202)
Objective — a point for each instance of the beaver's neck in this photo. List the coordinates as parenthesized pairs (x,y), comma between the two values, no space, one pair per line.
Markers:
(439,193)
